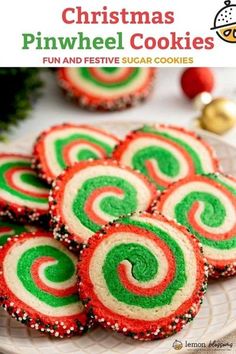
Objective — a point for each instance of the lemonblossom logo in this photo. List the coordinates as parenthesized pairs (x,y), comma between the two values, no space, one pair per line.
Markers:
(177,345)
(217,346)
(225,22)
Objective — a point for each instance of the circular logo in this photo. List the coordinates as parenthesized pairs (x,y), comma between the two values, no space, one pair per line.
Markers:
(177,345)
(225,22)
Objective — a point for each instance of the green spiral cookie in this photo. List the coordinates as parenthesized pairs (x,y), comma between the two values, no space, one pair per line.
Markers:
(166,154)
(206,205)
(143,276)
(63,145)
(91,194)
(106,88)
(38,285)
(23,196)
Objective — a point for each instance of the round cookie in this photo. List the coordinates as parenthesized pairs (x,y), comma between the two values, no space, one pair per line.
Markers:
(23,196)
(9,230)
(38,285)
(166,154)
(92,193)
(63,145)
(206,205)
(106,89)
(143,276)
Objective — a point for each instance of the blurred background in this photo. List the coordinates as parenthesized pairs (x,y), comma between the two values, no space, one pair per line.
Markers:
(166,104)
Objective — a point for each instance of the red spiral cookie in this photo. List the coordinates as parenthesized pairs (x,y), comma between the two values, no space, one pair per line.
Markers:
(92,193)
(143,276)
(106,89)
(23,196)
(166,154)
(38,285)
(206,205)
(63,145)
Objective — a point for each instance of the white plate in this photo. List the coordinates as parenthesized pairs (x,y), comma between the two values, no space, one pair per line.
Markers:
(216,318)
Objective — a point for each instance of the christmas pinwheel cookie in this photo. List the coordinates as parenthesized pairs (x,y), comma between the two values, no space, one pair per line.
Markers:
(92,193)
(65,144)
(166,154)
(23,196)
(108,89)
(143,276)
(38,285)
(206,205)
(10,229)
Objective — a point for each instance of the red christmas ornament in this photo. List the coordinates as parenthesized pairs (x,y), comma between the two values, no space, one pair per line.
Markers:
(197,80)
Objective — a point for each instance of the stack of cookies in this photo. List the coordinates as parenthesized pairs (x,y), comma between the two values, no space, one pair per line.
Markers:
(121,234)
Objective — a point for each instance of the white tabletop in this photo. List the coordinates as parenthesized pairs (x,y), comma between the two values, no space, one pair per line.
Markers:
(167,104)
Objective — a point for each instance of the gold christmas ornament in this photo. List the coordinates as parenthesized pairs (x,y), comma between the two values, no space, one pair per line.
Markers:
(218,116)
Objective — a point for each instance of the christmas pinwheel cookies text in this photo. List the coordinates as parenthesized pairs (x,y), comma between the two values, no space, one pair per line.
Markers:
(143,276)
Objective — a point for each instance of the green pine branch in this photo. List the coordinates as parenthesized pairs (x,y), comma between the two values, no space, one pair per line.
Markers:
(19,89)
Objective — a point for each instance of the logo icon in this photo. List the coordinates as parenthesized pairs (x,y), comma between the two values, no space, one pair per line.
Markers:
(177,345)
(225,22)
